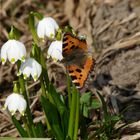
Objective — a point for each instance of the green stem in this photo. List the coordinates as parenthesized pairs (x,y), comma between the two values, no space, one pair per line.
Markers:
(29,120)
(32,27)
(28,111)
(72,115)
(69,90)
(42,85)
(26,126)
(76,117)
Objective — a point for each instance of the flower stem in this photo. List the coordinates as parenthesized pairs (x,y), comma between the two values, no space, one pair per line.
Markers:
(72,115)
(26,125)
(69,90)
(28,111)
(32,27)
(76,117)
(29,121)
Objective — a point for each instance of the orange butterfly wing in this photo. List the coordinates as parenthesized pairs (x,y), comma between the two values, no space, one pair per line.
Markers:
(70,42)
(77,73)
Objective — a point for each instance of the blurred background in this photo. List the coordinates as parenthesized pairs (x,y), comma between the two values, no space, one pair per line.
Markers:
(112,28)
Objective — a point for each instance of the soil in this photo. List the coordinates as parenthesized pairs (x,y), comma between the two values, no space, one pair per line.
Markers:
(112,28)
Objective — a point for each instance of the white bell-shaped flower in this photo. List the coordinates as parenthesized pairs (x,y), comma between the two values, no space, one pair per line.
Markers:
(30,67)
(55,50)
(13,50)
(47,27)
(15,102)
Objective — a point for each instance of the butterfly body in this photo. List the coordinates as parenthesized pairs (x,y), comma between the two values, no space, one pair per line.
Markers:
(77,58)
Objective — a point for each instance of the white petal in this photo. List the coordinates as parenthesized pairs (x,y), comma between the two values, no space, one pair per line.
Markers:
(39,70)
(27,63)
(22,50)
(15,102)
(51,21)
(41,29)
(13,106)
(55,45)
(22,105)
(47,27)
(31,67)
(13,50)
(57,55)
(36,69)
(4,50)
(50,32)
(27,71)
(50,50)
(13,54)
(26,68)
(55,50)
(8,99)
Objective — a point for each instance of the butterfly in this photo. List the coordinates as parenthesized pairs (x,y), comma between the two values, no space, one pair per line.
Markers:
(78,59)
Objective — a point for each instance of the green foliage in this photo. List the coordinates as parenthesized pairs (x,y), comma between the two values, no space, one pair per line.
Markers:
(87,103)
(53,117)
(106,129)
(19,127)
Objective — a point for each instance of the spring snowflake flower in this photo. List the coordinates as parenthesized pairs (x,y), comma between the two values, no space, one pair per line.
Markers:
(30,67)
(13,50)
(47,27)
(15,102)
(55,50)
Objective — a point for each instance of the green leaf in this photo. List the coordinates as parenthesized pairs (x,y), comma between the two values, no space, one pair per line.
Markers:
(96,104)
(85,103)
(115,118)
(63,111)
(85,111)
(86,98)
(40,131)
(58,102)
(14,33)
(53,118)
(19,127)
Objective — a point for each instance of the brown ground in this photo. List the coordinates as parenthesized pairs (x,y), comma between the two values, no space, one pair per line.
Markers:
(111,26)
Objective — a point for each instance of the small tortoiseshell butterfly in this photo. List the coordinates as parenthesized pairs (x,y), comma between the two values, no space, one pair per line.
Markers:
(77,58)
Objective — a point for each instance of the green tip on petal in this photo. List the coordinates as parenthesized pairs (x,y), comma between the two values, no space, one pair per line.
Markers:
(55,59)
(42,40)
(22,113)
(35,77)
(13,60)
(4,107)
(3,60)
(25,76)
(18,73)
(48,56)
(51,36)
(12,112)
(23,58)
